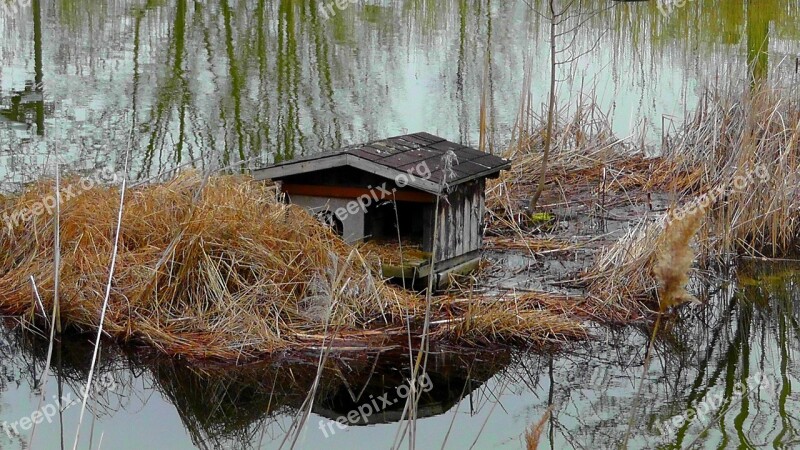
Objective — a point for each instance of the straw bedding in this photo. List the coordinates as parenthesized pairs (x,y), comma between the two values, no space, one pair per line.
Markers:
(212,270)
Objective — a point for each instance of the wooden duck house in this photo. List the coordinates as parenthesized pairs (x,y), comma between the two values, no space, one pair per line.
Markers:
(418,190)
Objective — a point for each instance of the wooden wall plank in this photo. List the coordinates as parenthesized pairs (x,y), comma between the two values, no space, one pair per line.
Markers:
(461,221)
(481,211)
(458,220)
(469,222)
(442,232)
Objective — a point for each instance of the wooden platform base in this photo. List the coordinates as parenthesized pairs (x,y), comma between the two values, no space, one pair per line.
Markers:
(416,271)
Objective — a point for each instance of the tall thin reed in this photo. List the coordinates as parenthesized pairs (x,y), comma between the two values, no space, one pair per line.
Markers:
(102,311)
(46,371)
(57,247)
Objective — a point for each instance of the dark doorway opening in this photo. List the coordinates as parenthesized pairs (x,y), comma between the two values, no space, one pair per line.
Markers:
(330,220)
(382,222)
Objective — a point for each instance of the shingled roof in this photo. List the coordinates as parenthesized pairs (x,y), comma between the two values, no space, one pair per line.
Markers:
(395,156)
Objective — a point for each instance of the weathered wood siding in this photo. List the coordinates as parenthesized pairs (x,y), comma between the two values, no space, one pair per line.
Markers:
(459,221)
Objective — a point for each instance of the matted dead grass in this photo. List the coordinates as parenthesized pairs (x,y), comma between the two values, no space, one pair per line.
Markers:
(739,133)
(736,166)
(533,318)
(585,150)
(214,270)
(390,253)
(219,270)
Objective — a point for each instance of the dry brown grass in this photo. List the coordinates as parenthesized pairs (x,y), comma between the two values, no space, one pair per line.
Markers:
(737,163)
(654,257)
(734,136)
(390,253)
(744,150)
(219,270)
(583,145)
(588,166)
(531,318)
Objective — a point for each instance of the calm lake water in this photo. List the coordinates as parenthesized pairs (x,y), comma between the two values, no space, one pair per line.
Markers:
(747,337)
(218,84)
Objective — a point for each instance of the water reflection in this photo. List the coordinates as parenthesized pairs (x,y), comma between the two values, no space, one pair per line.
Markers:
(239,411)
(29,102)
(217,83)
(26,107)
(744,332)
(23,364)
(247,407)
(489,398)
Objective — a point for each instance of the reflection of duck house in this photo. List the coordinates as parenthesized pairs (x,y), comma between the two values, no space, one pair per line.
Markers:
(385,400)
(25,107)
(375,191)
(450,378)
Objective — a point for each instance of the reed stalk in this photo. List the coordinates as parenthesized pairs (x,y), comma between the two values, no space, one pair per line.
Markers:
(103,310)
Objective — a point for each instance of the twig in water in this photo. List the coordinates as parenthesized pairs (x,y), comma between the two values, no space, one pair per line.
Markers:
(46,372)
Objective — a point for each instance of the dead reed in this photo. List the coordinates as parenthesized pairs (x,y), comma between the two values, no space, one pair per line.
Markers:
(221,271)
(588,166)
(583,144)
(745,150)
(731,171)
(231,275)
(525,319)
(736,165)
